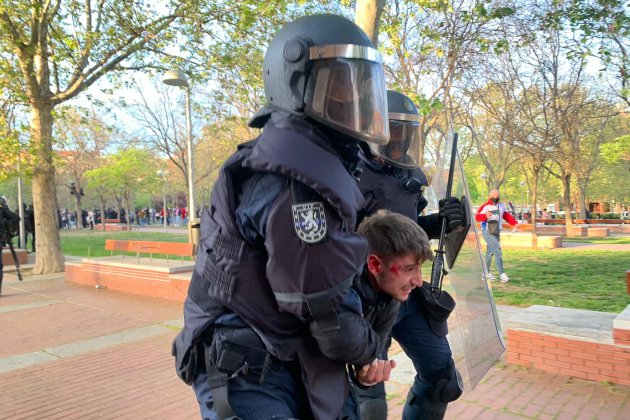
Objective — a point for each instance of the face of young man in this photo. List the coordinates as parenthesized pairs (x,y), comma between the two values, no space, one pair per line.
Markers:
(397,277)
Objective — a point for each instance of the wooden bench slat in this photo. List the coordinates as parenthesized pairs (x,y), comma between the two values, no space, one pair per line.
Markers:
(182,249)
(116,245)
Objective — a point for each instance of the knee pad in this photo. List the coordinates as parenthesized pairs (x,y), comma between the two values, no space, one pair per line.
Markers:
(419,407)
(373,409)
(447,385)
(372,402)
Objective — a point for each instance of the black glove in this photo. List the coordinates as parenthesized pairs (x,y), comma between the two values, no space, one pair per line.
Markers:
(451,209)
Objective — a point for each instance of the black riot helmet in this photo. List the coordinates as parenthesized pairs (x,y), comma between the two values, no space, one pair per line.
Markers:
(404,133)
(324,66)
(3,202)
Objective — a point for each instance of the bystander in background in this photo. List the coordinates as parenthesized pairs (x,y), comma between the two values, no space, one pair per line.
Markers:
(491,215)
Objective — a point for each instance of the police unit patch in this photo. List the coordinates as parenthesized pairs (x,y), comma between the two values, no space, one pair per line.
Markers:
(309,221)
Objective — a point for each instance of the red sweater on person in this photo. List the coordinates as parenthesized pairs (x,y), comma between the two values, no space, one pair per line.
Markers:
(497,212)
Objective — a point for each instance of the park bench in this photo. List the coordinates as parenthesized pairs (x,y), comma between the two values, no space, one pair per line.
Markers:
(550,221)
(112,225)
(145,275)
(180,249)
(603,221)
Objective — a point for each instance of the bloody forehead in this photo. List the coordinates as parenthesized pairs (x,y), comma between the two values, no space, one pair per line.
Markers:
(395,268)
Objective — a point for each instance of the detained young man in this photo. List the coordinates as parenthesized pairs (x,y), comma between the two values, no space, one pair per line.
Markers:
(397,248)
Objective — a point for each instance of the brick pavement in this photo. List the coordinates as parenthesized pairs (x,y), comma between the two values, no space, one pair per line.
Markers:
(75,352)
(514,392)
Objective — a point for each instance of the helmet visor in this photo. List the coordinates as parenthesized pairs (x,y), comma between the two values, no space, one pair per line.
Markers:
(349,95)
(403,148)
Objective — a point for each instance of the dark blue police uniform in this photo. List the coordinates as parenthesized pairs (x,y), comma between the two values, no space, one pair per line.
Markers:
(270,300)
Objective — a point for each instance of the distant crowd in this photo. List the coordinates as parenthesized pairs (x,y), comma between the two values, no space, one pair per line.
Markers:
(142,216)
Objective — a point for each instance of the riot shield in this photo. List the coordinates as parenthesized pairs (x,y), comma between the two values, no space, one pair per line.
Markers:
(474,331)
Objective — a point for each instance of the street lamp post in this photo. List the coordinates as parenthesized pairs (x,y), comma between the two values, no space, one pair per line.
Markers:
(179,79)
(163,174)
(22,236)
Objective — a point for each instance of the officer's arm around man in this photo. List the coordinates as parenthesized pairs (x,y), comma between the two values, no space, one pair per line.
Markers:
(270,319)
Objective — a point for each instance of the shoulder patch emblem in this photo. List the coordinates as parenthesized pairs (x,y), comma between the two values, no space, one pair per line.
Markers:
(309,221)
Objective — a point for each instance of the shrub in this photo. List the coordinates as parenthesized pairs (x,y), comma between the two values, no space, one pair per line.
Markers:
(610,216)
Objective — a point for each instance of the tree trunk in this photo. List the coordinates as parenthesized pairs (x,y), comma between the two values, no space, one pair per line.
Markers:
(79,216)
(421,144)
(533,221)
(103,204)
(119,207)
(566,192)
(128,215)
(368,16)
(582,197)
(49,258)
(535,212)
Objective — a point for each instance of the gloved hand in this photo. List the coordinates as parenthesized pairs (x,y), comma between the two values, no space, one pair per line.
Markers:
(451,209)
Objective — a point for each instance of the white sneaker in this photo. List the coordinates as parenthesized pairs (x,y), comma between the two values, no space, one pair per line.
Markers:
(490,277)
(504,278)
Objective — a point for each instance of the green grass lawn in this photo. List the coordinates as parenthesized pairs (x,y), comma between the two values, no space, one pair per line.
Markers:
(92,243)
(604,240)
(594,280)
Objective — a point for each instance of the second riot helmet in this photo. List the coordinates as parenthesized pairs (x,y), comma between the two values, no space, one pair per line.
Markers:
(404,133)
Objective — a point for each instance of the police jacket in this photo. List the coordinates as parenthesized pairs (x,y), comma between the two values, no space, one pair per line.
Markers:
(382,186)
(278,249)
(379,308)
(8,225)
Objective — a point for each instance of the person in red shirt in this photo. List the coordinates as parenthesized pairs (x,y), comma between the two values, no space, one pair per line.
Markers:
(184,213)
(491,215)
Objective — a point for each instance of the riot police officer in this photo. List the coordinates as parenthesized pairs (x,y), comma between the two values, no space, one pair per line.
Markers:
(3,234)
(8,227)
(392,180)
(270,319)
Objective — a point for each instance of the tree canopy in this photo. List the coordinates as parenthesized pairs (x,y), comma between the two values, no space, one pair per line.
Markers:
(513,79)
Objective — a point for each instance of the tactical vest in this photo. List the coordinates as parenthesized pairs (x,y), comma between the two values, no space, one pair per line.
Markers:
(384,191)
(234,273)
(9,224)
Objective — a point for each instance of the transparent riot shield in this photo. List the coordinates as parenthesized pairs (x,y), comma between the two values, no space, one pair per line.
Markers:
(474,331)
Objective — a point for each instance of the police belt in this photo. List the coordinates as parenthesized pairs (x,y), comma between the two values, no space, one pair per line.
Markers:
(230,353)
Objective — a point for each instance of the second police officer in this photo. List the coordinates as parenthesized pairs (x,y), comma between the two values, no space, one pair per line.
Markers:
(391,180)
(270,319)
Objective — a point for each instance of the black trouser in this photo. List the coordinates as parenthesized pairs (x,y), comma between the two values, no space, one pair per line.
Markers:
(1,265)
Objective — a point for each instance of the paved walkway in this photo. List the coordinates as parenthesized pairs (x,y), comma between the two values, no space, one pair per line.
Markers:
(75,352)
(514,392)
